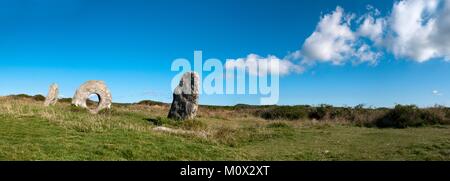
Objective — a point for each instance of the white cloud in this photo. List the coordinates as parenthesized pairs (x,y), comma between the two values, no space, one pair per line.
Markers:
(365,54)
(441,33)
(417,30)
(334,41)
(331,41)
(436,93)
(372,28)
(260,66)
(411,27)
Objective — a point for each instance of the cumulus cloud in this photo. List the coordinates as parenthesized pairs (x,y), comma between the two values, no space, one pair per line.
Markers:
(411,27)
(365,54)
(417,30)
(331,41)
(372,28)
(441,33)
(260,66)
(334,41)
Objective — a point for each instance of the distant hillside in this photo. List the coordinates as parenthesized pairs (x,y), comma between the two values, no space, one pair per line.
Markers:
(40,97)
(151,103)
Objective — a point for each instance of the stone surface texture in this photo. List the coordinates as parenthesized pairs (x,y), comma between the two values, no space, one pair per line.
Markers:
(91,87)
(185,97)
(52,96)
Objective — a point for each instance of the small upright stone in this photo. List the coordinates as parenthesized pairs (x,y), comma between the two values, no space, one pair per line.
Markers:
(98,88)
(52,96)
(185,97)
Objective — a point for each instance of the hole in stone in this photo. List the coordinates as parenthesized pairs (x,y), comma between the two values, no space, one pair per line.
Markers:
(93,101)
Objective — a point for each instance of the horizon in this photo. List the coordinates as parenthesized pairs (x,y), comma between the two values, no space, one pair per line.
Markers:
(374,55)
(281,105)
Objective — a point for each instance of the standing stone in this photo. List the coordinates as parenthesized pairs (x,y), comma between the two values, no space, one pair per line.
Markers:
(98,88)
(185,97)
(52,96)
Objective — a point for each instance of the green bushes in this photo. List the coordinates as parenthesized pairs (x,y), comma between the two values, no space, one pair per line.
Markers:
(151,103)
(65,100)
(411,116)
(401,116)
(323,112)
(284,112)
(437,114)
(20,96)
(39,97)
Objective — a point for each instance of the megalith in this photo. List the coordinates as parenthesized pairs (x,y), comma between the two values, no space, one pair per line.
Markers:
(52,96)
(93,87)
(185,97)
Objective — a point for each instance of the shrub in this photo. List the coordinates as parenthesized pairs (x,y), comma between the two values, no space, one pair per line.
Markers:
(321,112)
(402,117)
(22,96)
(243,106)
(411,116)
(436,115)
(284,112)
(367,117)
(151,103)
(39,97)
(65,100)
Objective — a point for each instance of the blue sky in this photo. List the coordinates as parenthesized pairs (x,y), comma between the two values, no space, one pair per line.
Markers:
(131,45)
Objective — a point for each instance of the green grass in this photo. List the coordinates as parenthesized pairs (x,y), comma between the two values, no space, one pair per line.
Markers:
(30,131)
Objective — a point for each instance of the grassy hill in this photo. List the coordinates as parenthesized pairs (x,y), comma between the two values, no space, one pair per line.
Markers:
(30,131)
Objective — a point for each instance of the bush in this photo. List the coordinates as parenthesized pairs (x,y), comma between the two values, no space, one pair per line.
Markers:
(404,116)
(22,96)
(284,112)
(151,103)
(436,115)
(65,100)
(367,117)
(39,97)
(322,112)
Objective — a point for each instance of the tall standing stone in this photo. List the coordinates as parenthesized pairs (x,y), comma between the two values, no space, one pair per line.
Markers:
(185,97)
(98,88)
(52,96)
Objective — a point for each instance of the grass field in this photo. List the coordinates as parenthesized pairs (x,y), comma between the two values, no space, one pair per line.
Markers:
(30,131)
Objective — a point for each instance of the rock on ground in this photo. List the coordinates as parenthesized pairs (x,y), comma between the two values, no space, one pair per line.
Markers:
(98,88)
(52,96)
(185,97)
